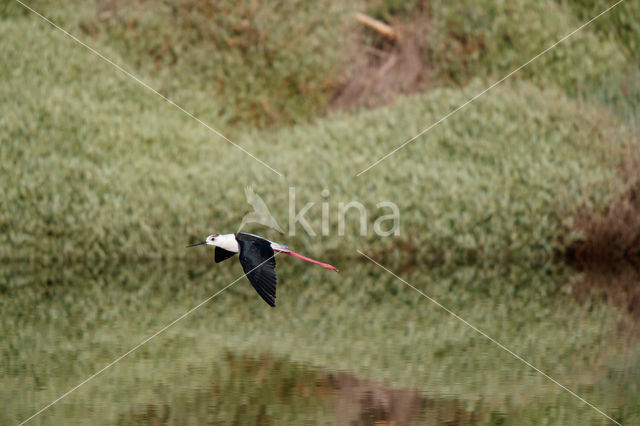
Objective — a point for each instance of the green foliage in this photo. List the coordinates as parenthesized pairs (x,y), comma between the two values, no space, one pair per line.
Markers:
(495,37)
(390,10)
(490,38)
(97,169)
(622,26)
(622,23)
(240,63)
(235,65)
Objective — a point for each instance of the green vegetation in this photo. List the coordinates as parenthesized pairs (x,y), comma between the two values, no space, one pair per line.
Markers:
(236,64)
(98,170)
(622,25)
(471,39)
(102,184)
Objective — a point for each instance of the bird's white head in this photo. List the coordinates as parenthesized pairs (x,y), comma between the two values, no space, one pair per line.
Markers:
(209,241)
(211,238)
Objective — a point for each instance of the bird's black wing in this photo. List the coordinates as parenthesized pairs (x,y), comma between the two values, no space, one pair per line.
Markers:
(256,258)
(222,254)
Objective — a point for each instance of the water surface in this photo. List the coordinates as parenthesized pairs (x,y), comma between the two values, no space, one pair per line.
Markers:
(357,347)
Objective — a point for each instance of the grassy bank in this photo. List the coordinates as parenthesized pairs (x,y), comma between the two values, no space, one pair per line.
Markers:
(96,168)
(233,63)
(100,170)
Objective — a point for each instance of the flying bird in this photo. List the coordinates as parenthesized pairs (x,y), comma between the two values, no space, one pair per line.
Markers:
(256,257)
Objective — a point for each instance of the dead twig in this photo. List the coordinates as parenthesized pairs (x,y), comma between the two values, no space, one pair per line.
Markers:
(376,25)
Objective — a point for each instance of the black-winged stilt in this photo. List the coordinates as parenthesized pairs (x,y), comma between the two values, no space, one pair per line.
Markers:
(256,257)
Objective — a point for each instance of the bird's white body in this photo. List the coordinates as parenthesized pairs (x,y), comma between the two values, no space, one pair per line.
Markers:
(230,243)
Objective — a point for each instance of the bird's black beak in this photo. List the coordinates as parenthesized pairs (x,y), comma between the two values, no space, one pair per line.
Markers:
(197,244)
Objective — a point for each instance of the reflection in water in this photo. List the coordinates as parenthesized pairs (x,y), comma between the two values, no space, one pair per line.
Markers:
(262,383)
(364,402)
(353,348)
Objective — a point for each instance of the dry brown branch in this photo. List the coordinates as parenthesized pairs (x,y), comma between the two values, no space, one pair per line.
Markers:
(379,26)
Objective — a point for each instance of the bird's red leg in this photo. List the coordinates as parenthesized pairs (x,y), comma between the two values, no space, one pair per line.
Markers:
(324,265)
